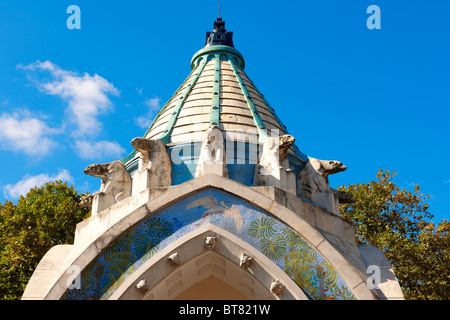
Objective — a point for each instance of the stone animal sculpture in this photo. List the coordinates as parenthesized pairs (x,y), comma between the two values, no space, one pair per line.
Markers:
(245,260)
(212,157)
(313,183)
(276,287)
(142,286)
(274,156)
(154,158)
(286,141)
(313,177)
(210,242)
(116,181)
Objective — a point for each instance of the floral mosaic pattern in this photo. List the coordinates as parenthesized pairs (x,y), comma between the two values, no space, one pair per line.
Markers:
(302,263)
(270,236)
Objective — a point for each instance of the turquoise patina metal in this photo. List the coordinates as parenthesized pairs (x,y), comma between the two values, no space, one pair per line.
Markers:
(215,103)
(165,137)
(229,51)
(262,131)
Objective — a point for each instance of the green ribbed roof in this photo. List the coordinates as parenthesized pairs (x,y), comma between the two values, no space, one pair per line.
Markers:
(216,92)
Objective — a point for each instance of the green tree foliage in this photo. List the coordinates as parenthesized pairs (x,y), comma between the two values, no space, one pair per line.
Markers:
(44,218)
(397,221)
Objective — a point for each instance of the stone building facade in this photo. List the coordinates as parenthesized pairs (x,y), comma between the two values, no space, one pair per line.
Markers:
(216,201)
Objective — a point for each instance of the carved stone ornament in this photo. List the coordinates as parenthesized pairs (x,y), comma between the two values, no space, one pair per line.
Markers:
(154,163)
(273,166)
(285,141)
(174,259)
(115,186)
(210,242)
(142,286)
(276,287)
(212,157)
(313,183)
(246,260)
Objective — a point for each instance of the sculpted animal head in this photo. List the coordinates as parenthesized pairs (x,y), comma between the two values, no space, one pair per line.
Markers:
(114,169)
(282,142)
(211,134)
(141,144)
(276,287)
(213,145)
(333,166)
(327,167)
(286,141)
(246,260)
(210,242)
(97,170)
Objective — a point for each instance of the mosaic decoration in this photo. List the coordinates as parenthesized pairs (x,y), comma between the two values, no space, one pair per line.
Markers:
(299,260)
(287,249)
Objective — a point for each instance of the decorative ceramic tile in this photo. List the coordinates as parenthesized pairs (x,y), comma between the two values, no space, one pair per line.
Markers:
(287,249)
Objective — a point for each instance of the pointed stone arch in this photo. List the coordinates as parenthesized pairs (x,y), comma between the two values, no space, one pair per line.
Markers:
(99,232)
(165,280)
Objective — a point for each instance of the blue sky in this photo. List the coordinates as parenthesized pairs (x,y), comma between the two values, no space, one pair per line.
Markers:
(373,99)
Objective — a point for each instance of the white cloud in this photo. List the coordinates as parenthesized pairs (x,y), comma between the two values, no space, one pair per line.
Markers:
(25,134)
(87,98)
(154,105)
(86,95)
(23,186)
(98,150)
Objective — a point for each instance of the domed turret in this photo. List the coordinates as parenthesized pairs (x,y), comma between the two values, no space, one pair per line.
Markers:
(219,93)
(216,202)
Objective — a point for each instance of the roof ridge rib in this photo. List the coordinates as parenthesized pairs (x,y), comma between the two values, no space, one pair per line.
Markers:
(165,136)
(262,131)
(215,101)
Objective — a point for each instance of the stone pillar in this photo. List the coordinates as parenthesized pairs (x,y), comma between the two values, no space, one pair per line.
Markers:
(144,179)
(212,157)
(100,202)
(288,180)
(155,167)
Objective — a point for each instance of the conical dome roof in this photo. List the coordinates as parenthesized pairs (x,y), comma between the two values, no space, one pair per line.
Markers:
(218,92)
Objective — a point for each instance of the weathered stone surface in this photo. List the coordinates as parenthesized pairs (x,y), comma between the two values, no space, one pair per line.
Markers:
(381,273)
(115,186)
(273,166)
(97,233)
(154,165)
(46,272)
(313,183)
(212,158)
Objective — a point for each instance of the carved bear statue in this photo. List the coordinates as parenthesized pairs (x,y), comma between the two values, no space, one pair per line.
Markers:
(273,158)
(154,160)
(116,182)
(313,183)
(212,157)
